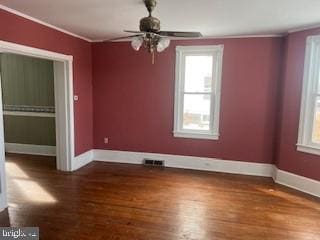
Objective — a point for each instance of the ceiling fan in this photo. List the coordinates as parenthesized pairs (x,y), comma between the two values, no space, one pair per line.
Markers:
(150,36)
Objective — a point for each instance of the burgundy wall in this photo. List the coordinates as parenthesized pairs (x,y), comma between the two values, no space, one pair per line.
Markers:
(134,100)
(288,158)
(22,31)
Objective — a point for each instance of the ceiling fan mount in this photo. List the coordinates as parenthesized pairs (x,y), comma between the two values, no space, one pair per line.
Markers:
(150,23)
(150,5)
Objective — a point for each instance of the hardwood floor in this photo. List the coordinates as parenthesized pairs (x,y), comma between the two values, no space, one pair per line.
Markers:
(128,202)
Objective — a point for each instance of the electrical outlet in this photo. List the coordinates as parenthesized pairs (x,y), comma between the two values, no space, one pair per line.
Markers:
(106,140)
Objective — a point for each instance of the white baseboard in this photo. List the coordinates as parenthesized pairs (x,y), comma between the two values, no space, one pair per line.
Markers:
(302,184)
(297,182)
(30,149)
(187,162)
(82,160)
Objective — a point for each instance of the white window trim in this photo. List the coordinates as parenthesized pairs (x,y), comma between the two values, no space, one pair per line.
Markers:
(310,83)
(215,96)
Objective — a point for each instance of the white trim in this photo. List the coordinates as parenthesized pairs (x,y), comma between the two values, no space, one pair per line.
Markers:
(63,71)
(300,29)
(30,149)
(216,51)
(281,177)
(82,160)
(63,87)
(3,203)
(18,13)
(274,172)
(300,183)
(196,48)
(33,52)
(297,182)
(64,114)
(186,162)
(196,136)
(309,95)
(29,114)
(308,149)
(3,185)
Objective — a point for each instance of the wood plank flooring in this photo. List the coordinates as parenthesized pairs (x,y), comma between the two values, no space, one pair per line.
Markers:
(127,202)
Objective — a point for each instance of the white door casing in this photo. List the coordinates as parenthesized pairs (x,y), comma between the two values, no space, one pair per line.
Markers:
(63,82)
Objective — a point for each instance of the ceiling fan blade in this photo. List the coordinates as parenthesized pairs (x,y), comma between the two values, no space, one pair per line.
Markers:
(180,34)
(121,38)
(129,31)
(141,32)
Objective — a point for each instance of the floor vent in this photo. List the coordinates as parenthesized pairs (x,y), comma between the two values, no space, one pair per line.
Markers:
(150,162)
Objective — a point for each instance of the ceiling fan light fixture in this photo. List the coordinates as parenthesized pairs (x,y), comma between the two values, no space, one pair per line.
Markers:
(163,44)
(136,43)
(150,35)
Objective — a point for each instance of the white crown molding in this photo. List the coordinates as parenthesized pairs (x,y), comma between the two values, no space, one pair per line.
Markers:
(42,22)
(301,29)
(30,149)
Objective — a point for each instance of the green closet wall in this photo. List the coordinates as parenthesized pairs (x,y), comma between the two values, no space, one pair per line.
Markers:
(28,81)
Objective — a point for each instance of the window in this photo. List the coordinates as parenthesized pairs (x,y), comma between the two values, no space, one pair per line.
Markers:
(309,128)
(197,98)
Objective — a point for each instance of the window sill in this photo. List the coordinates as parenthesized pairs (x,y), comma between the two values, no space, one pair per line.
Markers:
(308,149)
(196,136)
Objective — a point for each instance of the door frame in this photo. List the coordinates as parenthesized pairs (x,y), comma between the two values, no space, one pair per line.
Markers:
(63,87)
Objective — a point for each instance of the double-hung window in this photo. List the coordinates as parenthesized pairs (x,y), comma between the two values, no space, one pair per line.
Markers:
(309,128)
(197,95)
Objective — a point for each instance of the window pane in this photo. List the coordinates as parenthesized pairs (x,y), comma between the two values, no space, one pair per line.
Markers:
(316,125)
(196,112)
(198,74)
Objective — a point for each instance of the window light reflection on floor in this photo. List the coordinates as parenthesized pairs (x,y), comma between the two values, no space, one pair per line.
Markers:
(32,191)
(14,171)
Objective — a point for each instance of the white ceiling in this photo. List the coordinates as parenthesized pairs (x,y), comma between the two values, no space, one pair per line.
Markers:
(103,19)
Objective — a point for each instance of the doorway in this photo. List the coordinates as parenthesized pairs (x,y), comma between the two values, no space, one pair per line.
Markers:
(28,105)
(63,101)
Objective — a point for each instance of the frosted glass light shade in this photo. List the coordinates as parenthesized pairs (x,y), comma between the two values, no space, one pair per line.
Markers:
(163,44)
(136,43)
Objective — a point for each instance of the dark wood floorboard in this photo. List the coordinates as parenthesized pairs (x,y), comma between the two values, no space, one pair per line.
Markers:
(131,202)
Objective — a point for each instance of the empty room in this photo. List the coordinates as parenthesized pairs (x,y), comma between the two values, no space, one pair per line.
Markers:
(160,120)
